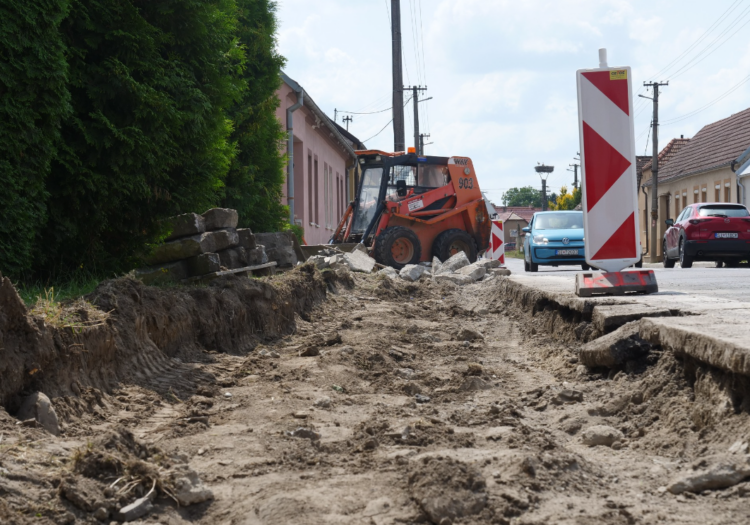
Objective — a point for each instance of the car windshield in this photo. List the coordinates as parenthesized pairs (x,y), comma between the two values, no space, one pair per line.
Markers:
(368,199)
(558,221)
(723,210)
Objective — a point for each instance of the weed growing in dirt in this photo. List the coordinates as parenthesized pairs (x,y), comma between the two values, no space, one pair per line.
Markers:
(76,315)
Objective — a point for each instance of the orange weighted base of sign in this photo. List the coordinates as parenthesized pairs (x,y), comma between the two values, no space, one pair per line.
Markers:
(616,283)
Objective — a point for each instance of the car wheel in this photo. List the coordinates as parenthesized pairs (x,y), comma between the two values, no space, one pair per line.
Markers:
(525,265)
(719,264)
(397,246)
(533,267)
(585,267)
(685,261)
(668,263)
(450,242)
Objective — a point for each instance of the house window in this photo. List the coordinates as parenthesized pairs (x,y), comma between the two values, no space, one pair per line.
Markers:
(727,193)
(676,205)
(717,192)
(704,194)
(316,191)
(310,188)
(338,197)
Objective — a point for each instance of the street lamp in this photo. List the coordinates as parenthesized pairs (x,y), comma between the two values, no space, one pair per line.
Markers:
(544,172)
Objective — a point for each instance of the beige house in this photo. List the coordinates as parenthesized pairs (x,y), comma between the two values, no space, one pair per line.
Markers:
(700,169)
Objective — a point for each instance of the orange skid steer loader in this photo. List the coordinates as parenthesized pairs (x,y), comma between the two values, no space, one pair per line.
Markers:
(410,208)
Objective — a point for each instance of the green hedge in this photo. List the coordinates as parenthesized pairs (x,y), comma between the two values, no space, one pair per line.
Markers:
(117,113)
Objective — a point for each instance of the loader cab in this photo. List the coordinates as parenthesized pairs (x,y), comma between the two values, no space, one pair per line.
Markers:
(388,177)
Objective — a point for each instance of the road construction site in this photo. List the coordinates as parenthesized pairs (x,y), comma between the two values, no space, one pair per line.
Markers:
(336,397)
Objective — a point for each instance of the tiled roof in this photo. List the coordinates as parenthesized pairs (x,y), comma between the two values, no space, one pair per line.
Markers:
(640,162)
(667,153)
(714,146)
(525,213)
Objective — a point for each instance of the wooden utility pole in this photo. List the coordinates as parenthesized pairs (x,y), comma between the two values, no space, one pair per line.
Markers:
(399,139)
(415,100)
(653,245)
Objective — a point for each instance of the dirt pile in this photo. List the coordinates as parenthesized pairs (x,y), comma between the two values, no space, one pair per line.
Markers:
(145,333)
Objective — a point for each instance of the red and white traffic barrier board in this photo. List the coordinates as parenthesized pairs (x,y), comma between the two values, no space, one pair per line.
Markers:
(497,246)
(608,170)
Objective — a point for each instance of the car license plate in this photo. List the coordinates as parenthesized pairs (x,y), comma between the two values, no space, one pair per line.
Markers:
(566,252)
(726,235)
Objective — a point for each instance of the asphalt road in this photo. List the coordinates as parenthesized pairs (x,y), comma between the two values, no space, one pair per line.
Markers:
(703,279)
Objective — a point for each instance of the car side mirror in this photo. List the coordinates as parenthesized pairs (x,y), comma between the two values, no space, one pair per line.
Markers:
(526,230)
(669,222)
(401,188)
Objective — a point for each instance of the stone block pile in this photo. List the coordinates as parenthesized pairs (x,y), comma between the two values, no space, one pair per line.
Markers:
(456,270)
(199,245)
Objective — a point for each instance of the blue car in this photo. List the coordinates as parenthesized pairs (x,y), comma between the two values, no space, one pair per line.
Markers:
(554,238)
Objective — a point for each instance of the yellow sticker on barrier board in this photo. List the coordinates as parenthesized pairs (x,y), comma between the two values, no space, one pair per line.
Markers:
(618,74)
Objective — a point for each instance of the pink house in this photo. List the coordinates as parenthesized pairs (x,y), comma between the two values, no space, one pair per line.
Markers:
(322,163)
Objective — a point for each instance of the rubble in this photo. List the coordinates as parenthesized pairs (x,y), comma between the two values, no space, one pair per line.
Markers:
(412,272)
(473,272)
(601,435)
(357,261)
(722,473)
(184,225)
(188,488)
(456,262)
(39,408)
(219,218)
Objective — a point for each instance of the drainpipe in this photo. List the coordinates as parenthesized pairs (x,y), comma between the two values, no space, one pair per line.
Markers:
(645,206)
(744,161)
(290,152)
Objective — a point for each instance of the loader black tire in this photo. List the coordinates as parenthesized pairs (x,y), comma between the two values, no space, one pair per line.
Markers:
(451,242)
(397,246)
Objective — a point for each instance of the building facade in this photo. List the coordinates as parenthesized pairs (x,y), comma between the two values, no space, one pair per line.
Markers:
(701,169)
(321,157)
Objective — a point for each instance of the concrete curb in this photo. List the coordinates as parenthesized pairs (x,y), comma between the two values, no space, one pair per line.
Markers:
(683,333)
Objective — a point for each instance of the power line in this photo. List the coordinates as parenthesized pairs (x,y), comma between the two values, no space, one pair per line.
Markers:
(685,68)
(717,99)
(693,45)
(388,124)
(366,112)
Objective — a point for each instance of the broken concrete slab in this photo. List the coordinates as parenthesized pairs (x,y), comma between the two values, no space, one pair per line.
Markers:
(487,263)
(607,317)
(246,238)
(203,264)
(184,225)
(359,262)
(453,278)
(615,348)
(218,218)
(389,272)
(498,272)
(413,272)
(38,407)
(456,262)
(721,472)
(257,255)
(209,242)
(474,272)
(233,258)
(436,265)
(278,248)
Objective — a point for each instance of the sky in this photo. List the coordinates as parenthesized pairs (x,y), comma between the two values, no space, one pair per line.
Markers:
(501,74)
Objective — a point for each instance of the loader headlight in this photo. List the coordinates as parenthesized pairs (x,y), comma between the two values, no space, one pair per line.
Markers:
(540,239)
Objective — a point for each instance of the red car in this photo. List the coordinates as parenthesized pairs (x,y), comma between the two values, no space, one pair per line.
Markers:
(708,231)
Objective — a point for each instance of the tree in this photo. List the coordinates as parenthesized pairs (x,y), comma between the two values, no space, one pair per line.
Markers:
(148,137)
(566,201)
(526,196)
(33,101)
(254,185)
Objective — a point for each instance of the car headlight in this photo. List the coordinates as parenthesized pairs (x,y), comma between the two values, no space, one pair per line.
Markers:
(540,239)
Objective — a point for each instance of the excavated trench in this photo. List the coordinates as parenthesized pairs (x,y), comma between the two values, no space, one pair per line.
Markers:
(325,398)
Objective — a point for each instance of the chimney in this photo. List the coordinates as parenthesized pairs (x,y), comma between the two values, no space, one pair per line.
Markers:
(682,136)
